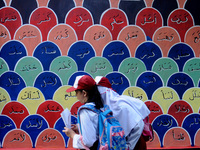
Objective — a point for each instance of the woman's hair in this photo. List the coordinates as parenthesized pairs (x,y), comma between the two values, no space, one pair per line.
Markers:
(94,96)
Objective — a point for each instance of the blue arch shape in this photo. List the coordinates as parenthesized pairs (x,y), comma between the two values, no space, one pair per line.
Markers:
(81,52)
(191,123)
(180,53)
(149,82)
(6,124)
(163,123)
(118,81)
(48,83)
(148,52)
(59,125)
(11,52)
(12,83)
(116,52)
(180,82)
(45,52)
(73,77)
(34,125)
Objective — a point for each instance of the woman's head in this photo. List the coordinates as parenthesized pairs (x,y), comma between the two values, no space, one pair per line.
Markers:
(86,90)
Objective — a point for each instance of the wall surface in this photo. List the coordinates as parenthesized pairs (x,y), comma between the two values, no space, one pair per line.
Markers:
(148,49)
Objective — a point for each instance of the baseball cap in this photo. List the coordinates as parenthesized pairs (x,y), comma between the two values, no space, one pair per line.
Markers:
(103,81)
(84,82)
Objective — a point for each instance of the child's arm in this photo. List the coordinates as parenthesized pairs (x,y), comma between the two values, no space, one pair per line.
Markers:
(69,132)
(75,128)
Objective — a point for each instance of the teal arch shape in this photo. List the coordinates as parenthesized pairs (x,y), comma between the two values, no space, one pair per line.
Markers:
(3,66)
(64,67)
(192,68)
(29,68)
(132,68)
(165,67)
(98,66)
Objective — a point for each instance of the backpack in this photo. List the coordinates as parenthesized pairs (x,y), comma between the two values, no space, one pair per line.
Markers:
(111,134)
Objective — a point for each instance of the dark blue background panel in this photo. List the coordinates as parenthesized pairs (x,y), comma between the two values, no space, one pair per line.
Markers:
(131,9)
(25,8)
(61,8)
(165,7)
(193,6)
(96,8)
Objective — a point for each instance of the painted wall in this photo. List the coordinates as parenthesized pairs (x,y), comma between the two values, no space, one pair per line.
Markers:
(148,49)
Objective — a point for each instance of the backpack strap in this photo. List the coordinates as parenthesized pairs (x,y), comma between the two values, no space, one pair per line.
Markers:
(108,111)
(88,107)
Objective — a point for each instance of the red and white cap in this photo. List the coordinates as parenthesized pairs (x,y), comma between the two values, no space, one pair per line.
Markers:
(103,81)
(84,82)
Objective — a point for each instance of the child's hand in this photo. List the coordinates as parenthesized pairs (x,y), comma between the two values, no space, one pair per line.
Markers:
(75,128)
(69,132)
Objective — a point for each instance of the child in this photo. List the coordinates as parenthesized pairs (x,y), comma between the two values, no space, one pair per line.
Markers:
(129,111)
(87,93)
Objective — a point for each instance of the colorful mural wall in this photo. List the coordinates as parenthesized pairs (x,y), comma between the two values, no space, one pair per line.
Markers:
(148,49)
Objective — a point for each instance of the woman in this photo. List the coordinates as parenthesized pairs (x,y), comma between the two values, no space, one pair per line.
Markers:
(88,94)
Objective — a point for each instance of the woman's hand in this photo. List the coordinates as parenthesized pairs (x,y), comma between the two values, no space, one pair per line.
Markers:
(69,132)
(75,128)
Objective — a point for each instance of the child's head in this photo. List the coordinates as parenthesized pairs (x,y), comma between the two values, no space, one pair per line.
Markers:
(86,90)
(84,82)
(103,81)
